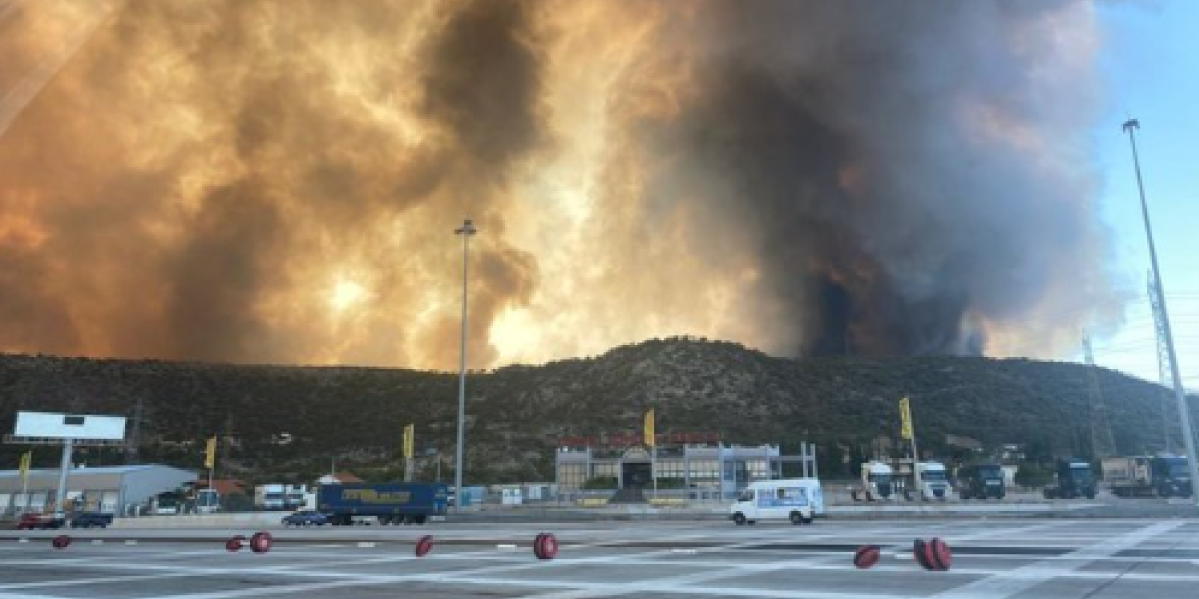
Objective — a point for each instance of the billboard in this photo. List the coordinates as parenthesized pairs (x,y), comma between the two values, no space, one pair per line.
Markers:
(53,425)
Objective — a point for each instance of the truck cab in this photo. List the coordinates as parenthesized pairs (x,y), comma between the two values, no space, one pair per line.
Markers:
(980,481)
(1171,477)
(795,499)
(934,481)
(878,481)
(1074,479)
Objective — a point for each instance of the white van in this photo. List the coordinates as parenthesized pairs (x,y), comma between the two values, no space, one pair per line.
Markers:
(794,499)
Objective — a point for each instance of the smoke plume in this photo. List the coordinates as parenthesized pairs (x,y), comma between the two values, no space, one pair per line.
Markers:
(268,181)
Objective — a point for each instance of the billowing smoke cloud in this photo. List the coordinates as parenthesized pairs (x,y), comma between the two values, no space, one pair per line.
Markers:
(279,181)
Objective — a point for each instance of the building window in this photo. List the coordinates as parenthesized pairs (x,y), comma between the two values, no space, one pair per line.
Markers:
(604,469)
(571,476)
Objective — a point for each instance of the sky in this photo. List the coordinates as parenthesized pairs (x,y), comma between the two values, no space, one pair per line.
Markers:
(1150,66)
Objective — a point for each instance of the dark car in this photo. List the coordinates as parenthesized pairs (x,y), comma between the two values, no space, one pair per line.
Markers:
(39,521)
(305,518)
(91,519)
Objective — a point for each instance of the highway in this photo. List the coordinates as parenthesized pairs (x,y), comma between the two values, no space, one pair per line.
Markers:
(993,559)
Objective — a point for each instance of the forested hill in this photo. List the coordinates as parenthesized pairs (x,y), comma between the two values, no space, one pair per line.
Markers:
(289,423)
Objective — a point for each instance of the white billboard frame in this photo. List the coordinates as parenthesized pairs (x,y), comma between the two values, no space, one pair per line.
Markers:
(57,425)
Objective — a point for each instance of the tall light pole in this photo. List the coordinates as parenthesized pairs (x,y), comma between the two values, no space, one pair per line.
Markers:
(1130,126)
(466,230)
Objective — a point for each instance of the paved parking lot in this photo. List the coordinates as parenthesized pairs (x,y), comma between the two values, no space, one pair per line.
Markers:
(1123,559)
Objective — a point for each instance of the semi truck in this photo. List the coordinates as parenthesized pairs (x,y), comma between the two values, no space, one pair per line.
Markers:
(1145,476)
(877,482)
(980,481)
(1072,479)
(390,503)
(270,497)
(934,481)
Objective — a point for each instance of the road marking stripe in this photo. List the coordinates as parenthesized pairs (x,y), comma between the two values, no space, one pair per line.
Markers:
(1014,582)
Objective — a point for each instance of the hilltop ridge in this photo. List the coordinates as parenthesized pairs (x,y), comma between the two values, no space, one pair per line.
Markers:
(293,421)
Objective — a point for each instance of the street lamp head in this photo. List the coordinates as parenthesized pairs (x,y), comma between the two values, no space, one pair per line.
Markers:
(1129,124)
(467,228)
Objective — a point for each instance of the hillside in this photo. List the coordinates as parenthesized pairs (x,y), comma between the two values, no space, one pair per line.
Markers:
(293,422)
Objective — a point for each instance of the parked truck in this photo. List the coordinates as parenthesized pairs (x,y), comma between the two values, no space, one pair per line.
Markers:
(877,482)
(934,481)
(1073,479)
(270,497)
(294,497)
(1145,476)
(980,481)
(390,503)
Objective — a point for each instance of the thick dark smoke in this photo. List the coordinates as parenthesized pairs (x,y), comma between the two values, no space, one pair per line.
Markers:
(278,181)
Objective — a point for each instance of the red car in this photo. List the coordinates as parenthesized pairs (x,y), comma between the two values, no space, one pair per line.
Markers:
(42,521)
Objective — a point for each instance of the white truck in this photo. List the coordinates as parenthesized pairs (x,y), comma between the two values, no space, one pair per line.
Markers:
(270,497)
(799,500)
(877,482)
(295,497)
(934,481)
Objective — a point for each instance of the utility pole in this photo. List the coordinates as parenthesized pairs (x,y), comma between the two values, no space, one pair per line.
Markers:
(1130,126)
(1163,362)
(1102,443)
(466,231)
(134,446)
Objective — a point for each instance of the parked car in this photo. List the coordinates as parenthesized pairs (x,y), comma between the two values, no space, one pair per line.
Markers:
(39,521)
(305,518)
(90,519)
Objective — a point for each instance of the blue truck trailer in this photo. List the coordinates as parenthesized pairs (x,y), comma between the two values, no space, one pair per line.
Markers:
(391,503)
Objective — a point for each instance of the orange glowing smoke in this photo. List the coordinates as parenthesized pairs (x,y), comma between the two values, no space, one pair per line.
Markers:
(278,181)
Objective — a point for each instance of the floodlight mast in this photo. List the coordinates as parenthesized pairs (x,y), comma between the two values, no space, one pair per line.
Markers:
(466,231)
(1130,127)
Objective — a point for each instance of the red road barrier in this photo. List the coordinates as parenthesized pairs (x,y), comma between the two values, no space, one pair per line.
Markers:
(866,556)
(61,542)
(545,546)
(933,555)
(424,546)
(260,542)
(919,553)
(938,554)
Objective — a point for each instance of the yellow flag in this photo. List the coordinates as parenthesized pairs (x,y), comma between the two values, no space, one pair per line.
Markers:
(26,459)
(905,412)
(409,440)
(649,428)
(210,453)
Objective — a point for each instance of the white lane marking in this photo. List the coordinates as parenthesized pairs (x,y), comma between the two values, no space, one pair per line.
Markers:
(1008,584)
(97,580)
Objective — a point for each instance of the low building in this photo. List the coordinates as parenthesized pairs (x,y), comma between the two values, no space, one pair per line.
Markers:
(707,471)
(110,489)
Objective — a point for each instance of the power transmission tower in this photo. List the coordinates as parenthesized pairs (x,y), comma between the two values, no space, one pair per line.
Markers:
(1102,444)
(1164,372)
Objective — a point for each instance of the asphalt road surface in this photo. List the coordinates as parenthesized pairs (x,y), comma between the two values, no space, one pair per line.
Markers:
(1113,559)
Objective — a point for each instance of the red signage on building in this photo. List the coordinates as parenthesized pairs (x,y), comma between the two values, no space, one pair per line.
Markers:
(634,439)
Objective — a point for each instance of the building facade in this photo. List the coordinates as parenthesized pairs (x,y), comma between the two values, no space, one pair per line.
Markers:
(109,489)
(702,471)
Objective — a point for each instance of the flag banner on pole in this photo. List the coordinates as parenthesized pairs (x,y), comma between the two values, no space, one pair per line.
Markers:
(210,453)
(409,440)
(905,413)
(649,428)
(26,459)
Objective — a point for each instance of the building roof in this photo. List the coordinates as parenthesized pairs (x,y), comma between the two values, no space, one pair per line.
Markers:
(338,477)
(89,470)
(226,486)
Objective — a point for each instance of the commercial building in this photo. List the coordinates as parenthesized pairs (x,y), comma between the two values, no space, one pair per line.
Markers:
(110,489)
(700,470)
